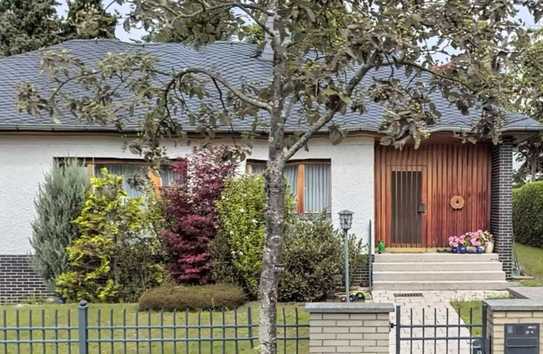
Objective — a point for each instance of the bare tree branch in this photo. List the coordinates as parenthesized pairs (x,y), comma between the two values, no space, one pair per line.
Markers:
(218,78)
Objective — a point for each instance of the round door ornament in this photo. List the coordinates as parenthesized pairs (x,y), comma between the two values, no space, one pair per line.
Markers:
(457,202)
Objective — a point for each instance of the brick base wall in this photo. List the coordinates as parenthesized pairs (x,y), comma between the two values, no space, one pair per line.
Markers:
(18,281)
(501,210)
(355,328)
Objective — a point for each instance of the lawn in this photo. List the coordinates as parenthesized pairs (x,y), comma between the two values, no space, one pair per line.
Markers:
(531,261)
(119,321)
(471,313)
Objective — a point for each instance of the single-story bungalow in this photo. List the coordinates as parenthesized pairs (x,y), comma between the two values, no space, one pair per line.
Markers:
(414,199)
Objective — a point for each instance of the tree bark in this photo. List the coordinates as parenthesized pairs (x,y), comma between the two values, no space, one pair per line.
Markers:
(269,278)
(275,204)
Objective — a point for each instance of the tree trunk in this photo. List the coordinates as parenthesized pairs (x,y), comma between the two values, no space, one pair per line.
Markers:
(269,278)
(275,193)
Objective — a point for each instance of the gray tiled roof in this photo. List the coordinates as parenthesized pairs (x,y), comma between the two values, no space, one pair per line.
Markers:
(235,61)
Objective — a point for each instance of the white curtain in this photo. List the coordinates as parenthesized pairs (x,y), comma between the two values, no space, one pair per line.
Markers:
(317,191)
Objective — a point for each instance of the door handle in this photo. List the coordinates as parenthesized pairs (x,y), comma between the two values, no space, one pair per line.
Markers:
(421,208)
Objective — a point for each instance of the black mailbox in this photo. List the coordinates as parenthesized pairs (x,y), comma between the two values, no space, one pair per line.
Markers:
(522,339)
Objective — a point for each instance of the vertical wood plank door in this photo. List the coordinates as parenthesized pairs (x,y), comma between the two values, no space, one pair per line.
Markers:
(413,190)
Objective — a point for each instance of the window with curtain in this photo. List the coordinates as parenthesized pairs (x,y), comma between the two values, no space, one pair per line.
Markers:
(313,192)
(168,177)
(132,173)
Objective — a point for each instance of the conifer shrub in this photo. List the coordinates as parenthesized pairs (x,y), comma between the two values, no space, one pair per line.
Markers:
(115,258)
(59,201)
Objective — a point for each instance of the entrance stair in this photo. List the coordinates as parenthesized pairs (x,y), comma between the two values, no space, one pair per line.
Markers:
(438,271)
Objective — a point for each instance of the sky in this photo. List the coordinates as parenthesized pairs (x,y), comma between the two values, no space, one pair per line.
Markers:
(136,34)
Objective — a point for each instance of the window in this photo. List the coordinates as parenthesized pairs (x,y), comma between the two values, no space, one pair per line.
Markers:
(134,172)
(309,182)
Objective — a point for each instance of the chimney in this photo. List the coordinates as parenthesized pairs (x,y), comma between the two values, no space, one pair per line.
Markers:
(267,51)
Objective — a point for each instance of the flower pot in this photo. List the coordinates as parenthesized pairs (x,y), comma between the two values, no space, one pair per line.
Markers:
(471,249)
(479,249)
(454,249)
(462,249)
(489,247)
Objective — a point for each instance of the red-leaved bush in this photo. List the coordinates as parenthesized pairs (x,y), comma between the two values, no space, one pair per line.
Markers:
(191,217)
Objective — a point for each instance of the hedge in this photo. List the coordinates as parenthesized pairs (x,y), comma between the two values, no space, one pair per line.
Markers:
(528,214)
(197,297)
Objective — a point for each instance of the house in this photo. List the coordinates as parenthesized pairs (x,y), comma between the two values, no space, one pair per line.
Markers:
(405,195)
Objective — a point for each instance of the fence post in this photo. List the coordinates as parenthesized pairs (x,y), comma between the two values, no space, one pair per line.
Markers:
(83,327)
(355,327)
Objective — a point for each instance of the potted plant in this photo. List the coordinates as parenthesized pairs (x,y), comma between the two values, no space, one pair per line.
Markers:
(463,242)
(453,243)
(475,243)
(487,240)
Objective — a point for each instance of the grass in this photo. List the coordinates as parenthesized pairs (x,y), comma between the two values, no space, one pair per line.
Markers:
(531,261)
(112,317)
(471,313)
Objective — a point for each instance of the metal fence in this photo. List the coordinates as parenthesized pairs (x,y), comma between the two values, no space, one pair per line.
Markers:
(85,330)
(430,333)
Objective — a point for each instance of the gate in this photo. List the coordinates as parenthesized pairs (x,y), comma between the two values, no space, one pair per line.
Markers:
(440,331)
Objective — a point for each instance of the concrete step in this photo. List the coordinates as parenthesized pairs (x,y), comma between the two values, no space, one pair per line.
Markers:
(440,285)
(434,257)
(436,266)
(438,276)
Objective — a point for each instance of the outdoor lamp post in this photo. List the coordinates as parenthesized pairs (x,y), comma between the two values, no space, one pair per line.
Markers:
(345,221)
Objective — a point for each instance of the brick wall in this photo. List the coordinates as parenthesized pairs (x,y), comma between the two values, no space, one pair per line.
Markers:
(501,210)
(510,311)
(349,328)
(18,281)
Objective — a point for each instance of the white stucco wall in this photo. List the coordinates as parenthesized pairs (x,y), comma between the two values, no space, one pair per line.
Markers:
(25,158)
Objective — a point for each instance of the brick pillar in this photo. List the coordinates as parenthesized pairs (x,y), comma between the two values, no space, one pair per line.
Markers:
(356,328)
(501,210)
(503,312)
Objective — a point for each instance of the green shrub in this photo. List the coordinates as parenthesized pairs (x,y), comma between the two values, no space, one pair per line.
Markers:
(311,258)
(213,296)
(237,249)
(59,201)
(114,259)
(528,214)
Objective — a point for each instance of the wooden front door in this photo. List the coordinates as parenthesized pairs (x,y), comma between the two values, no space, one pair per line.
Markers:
(407,208)
(414,188)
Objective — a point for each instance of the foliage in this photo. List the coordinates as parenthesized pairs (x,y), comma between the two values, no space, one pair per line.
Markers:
(311,259)
(528,214)
(114,257)
(242,227)
(190,211)
(28,25)
(88,19)
(196,297)
(60,199)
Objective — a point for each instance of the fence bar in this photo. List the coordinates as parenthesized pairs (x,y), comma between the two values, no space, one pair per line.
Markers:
(18,331)
(83,328)
(250,325)
(398,329)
